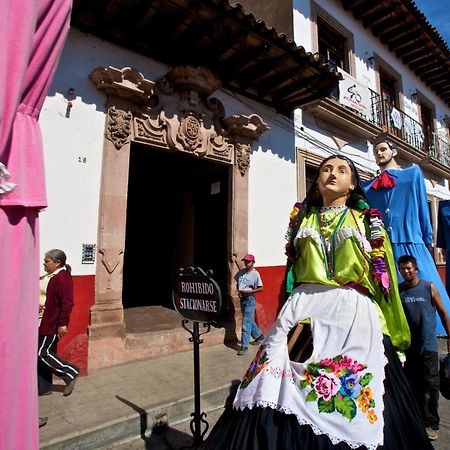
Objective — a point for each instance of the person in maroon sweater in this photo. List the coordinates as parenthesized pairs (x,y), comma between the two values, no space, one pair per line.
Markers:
(55,306)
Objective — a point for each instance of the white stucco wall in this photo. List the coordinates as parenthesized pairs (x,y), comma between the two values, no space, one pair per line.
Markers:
(73,149)
(73,146)
(272,191)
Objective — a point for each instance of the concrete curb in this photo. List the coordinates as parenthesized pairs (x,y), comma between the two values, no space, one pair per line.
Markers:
(138,423)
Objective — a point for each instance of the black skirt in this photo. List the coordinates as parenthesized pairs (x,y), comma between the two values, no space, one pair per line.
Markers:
(268,429)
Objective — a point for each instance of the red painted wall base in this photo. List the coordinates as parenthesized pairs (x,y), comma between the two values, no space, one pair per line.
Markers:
(270,300)
(74,345)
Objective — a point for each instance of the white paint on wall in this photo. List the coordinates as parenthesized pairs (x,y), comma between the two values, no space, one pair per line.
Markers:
(272,194)
(73,148)
(272,190)
(302,23)
(73,145)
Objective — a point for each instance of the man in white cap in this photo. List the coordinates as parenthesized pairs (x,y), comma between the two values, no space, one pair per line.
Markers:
(248,284)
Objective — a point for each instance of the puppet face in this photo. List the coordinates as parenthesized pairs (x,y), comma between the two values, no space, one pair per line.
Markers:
(335,179)
(383,153)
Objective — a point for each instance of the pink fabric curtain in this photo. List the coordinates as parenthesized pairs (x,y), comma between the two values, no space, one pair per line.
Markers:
(32,35)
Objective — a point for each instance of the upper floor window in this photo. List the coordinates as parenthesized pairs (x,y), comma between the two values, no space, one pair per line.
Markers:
(388,86)
(332,44)
(426,119)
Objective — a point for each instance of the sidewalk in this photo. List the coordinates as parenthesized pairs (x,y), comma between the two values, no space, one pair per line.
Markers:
(117,408)
(126,401)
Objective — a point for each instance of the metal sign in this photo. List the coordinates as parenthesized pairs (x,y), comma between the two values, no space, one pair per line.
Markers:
(196,296)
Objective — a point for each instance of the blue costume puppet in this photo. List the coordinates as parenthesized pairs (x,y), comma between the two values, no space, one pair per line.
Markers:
(401,197)
(443,236)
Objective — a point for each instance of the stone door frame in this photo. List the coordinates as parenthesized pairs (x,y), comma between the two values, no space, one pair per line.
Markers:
(177,113)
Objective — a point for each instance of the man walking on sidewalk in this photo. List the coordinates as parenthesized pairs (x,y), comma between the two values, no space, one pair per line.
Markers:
(421,300)
(249,283)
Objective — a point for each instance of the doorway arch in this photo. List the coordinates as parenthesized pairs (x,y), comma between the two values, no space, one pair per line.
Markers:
(176,114)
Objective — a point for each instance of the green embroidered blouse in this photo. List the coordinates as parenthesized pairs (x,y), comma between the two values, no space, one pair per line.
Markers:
(345,245)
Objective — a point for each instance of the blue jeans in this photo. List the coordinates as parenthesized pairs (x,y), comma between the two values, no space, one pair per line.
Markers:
(249,327)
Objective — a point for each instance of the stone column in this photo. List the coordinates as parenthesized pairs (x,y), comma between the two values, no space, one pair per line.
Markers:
(107,327)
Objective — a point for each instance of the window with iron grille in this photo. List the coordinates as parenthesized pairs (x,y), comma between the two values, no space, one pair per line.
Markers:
(332,44)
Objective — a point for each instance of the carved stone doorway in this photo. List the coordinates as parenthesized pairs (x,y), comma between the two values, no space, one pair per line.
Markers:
(176,115)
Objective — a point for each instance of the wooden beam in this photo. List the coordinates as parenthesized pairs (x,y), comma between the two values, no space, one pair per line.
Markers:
(403,38)
(269,85)
(359,8)
(387,27)
(410,48)
(239,62)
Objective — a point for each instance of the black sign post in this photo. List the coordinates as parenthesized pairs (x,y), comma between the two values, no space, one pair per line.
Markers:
(197,298)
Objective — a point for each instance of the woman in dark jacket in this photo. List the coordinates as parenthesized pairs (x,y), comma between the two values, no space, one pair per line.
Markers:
(55,306)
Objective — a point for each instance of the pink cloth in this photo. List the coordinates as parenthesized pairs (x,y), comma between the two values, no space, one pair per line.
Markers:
(19,281)
(32,34)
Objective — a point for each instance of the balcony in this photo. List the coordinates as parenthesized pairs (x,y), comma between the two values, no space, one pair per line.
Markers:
(399,124)
(414,144)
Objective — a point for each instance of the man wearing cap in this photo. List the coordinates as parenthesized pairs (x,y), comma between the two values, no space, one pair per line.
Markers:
(248,284)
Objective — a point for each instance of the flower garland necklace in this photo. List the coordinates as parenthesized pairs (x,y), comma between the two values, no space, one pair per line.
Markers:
(329,247)
(379,270)
(378,264)
(336,209)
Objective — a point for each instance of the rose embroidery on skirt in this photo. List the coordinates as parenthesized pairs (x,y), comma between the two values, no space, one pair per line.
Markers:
(338,386)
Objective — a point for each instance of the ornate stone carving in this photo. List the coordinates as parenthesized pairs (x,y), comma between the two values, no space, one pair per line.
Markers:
(118,129)
(177,112)
(150,132)
(111,258)
(126,83)
(243,157)
(198,79)
(250,127)
(189,132)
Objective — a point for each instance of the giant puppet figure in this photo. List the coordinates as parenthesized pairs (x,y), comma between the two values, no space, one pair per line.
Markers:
(349,392)
(401,197)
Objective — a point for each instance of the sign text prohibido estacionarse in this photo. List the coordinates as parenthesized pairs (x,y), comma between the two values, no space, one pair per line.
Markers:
(197,297)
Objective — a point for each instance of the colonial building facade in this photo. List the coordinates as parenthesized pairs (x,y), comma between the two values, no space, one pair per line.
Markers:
(180,134)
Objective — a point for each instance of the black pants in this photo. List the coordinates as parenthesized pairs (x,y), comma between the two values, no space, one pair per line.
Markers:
(50,363)
(422,371)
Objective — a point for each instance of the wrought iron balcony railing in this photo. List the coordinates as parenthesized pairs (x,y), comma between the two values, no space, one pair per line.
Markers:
(400,124)
(440,149)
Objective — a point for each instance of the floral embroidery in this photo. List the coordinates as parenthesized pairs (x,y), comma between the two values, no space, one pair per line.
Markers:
(277,372)
(337,385)
(259,362)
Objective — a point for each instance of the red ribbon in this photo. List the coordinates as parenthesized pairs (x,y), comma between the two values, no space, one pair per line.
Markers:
(383,181)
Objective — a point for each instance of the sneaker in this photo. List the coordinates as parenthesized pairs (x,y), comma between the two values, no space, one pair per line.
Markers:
(42,421)
(69,387)
(258,340)
(432,434)
(242,351)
